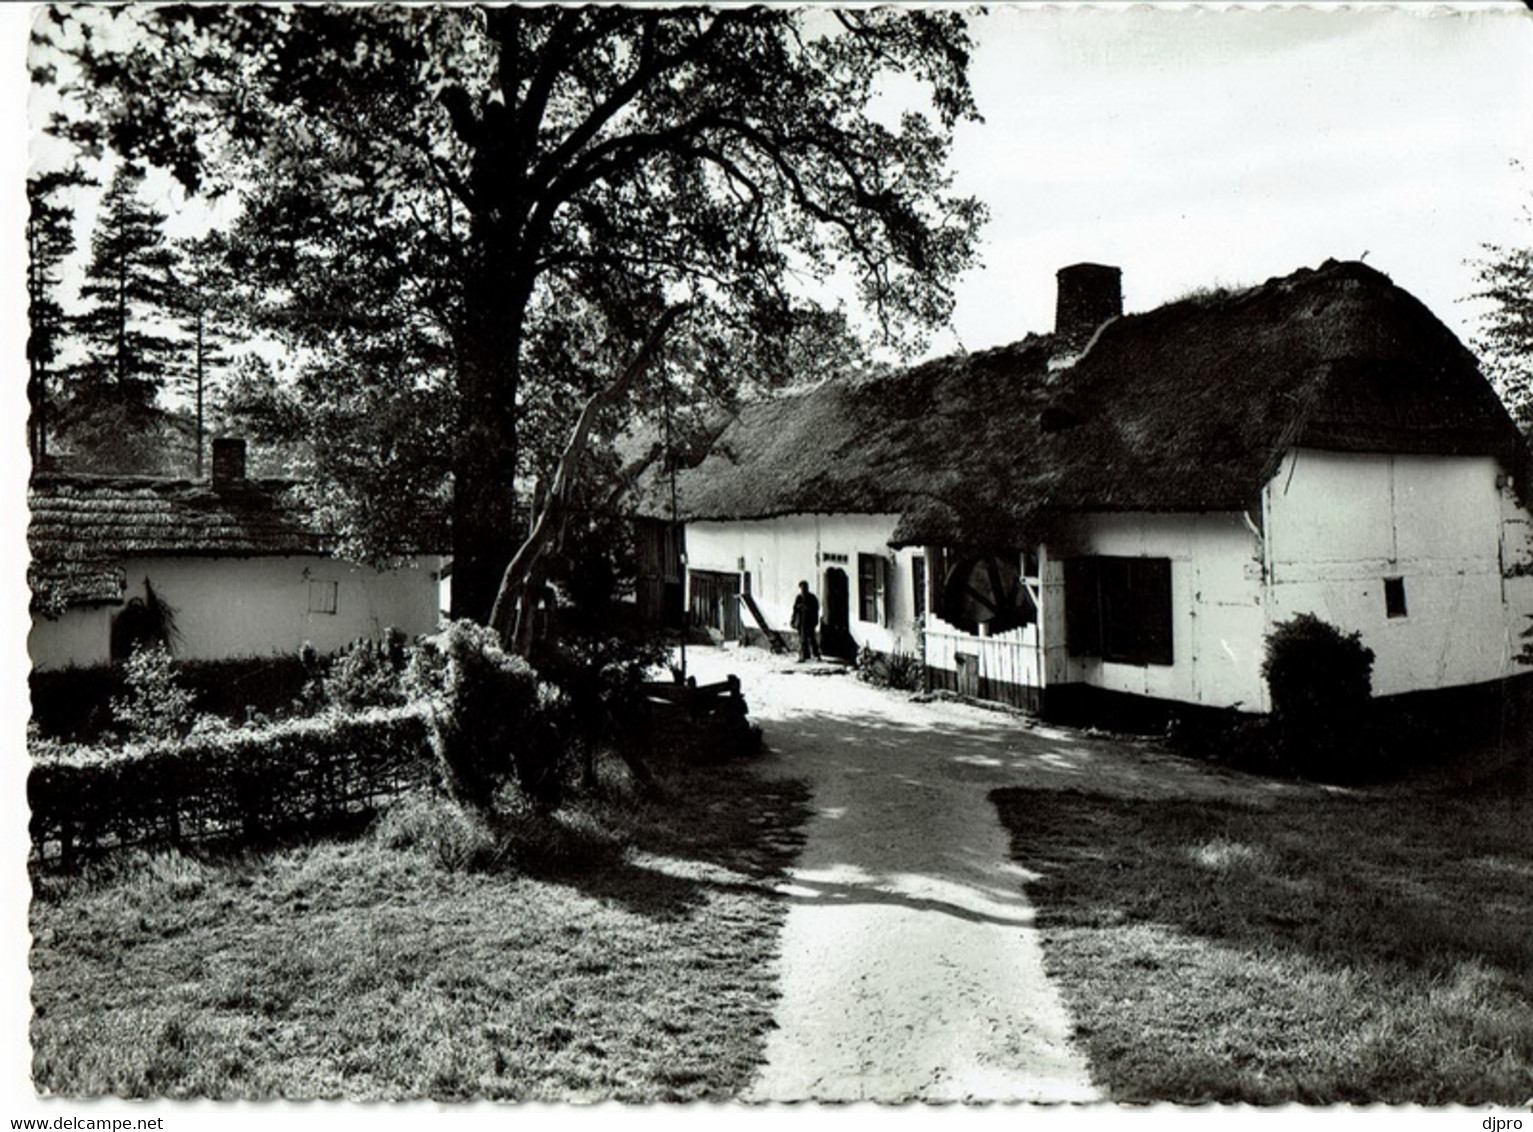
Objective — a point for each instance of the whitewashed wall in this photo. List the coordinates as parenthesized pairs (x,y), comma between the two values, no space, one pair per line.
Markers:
(232,607)
(1339,524)
(81,636)
(1217,623)
(779,553)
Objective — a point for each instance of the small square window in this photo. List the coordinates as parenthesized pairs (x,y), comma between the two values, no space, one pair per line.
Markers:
(322,596)
(1394,597)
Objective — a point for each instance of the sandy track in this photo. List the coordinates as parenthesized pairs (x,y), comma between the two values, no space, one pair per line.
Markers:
(910,969)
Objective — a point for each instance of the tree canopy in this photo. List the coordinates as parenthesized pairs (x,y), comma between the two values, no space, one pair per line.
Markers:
(484,210)
(1505,341)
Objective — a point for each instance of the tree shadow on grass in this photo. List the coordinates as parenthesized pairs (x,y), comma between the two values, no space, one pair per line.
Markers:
(1395,929)
(710,829)
(1355,879)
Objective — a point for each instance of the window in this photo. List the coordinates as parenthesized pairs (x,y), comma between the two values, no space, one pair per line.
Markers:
(322,596)
(1119,609)
(1394,597)
(868,577)
(918,584)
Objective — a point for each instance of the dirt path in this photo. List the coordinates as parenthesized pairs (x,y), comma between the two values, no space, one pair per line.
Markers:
(910,966)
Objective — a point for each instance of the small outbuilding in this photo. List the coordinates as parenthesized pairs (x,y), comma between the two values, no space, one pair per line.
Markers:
(1129,503)
(235,563)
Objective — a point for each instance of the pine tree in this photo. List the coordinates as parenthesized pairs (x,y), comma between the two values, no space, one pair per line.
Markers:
(50,240)
(112,412)
(203,304)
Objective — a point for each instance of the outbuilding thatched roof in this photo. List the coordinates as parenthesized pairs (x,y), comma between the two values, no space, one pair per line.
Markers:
(83,526)
(1188,407)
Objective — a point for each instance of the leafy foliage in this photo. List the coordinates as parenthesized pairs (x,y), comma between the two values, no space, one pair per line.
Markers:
(900,670)
(479,211)
(492,721)
(156,705)
(1505,341)
(1321,682)
(368,674)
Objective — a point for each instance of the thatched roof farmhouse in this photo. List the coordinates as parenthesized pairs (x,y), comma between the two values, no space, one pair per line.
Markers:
(238,561)
(1186,407)
(1252,415)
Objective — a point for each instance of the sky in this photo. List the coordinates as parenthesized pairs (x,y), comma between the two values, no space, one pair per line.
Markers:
(1199,147)
(1188,146)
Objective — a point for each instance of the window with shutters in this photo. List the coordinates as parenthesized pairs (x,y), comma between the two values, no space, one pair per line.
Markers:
(322,596)
(918,585)
(1119,609)
(868,587)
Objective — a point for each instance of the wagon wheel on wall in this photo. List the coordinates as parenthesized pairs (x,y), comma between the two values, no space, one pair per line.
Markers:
(986,590)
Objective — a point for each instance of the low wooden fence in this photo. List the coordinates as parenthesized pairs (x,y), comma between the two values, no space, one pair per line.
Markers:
(233,785)
(1004,668)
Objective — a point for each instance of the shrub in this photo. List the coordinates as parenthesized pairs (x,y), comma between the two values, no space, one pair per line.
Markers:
(156,705)
(491,719)
(1321,682)
(368,674)
(899,670)
(601,677)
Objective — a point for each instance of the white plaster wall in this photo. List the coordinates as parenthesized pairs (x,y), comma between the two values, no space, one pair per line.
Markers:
(228,607)
(1216,606)
(1340,523)
(81,636)
(781,552)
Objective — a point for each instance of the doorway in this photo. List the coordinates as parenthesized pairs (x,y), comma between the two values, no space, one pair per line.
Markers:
(836,640)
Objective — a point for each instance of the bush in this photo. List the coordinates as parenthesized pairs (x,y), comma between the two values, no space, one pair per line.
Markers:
(601,677)
(899,670)
(368,674)
(222,782)
(1321,684)
(491,719)
(156,705)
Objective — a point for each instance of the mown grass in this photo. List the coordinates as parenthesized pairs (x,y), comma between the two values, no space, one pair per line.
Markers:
(625,957)
(1328,949)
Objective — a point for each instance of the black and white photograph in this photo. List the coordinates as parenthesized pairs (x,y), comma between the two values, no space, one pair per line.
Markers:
(607,556)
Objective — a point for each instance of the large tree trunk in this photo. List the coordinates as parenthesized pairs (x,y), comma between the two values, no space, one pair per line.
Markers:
(485,532)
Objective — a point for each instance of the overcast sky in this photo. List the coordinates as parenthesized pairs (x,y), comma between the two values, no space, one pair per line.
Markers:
(1191,147)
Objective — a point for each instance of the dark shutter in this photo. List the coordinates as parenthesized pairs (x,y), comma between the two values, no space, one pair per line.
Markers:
(1119,609)
(1083,613)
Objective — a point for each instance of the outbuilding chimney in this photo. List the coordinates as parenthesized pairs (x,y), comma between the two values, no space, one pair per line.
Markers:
(1089,295)
(228,461)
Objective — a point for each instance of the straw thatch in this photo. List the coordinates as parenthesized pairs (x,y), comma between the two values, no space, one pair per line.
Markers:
(1186,408)
(83,526)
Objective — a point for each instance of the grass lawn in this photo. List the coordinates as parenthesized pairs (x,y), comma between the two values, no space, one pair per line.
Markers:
(360,969)
(1334,948)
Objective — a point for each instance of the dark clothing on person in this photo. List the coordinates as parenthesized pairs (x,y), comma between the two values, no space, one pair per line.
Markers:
(806,619)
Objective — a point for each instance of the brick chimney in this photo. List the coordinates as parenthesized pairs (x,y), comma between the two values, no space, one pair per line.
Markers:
(228,461)
(1089,295)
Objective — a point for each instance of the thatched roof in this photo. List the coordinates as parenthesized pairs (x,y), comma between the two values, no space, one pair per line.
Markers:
(83,526)
(1186,408)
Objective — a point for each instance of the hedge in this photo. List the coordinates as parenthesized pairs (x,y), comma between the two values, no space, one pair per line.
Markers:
(236,784)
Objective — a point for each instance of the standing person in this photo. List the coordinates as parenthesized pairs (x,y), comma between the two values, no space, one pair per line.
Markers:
(806,618)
